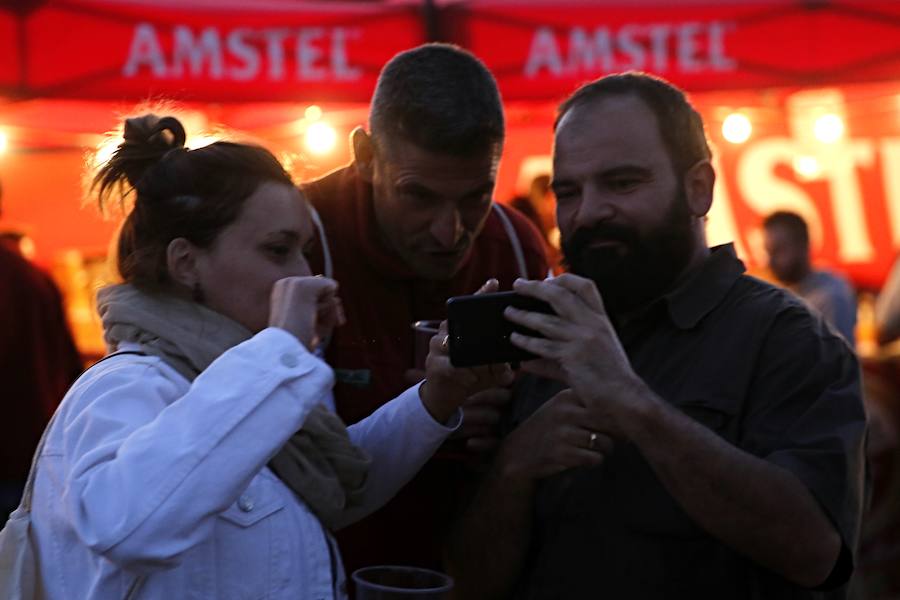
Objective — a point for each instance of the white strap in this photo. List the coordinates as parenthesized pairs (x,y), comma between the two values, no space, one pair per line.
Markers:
(513,239)
(326,251)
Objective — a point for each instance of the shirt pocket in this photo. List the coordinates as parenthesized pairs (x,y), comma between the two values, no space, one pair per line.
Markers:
(251,550)
(246,512)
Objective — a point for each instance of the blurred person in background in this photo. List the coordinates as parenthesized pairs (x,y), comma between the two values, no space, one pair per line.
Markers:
(203,458)
(535,207)
(536,204)
(887,307)
(18,241)
(540,192)
(524,205)
(881,540)
(38,363)
(787,244)
(408,224)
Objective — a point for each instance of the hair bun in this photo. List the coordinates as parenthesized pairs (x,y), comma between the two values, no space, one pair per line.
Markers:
(147,140)
(161,134)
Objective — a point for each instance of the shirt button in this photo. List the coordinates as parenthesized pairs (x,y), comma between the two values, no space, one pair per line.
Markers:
(290,360)
(245,503)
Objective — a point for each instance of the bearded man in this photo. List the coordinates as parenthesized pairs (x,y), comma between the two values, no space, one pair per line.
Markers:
(688,431)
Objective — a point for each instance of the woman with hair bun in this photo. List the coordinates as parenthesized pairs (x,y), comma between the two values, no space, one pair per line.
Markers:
(202,458)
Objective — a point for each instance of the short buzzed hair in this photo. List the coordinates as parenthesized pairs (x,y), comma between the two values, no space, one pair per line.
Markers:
(440,98)
(680,125)
(790,222)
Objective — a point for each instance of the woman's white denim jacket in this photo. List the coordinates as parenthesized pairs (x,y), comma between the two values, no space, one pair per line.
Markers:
(147,476)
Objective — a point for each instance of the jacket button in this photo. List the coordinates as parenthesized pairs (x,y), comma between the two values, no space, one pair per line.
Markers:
(290,360)
(245,503)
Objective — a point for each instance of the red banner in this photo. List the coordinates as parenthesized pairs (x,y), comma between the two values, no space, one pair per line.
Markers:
(9,51)
(544,49)
(278,50)
(214,52)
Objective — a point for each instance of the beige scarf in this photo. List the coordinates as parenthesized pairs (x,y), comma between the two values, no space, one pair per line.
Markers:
(319,463)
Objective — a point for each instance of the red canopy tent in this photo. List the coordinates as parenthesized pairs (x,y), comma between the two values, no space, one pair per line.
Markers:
(549,47)
(69,67)
(284,50)
(206,51)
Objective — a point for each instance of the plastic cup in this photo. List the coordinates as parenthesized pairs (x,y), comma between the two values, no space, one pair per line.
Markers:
(424,331)
(401,583)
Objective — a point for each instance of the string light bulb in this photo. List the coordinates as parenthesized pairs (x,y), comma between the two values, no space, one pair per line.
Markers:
(313,113)
(829,128)
(320,138)
(737,128)
(807,167)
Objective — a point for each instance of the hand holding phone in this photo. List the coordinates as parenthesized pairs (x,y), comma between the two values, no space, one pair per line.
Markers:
(447,388)
(479,332)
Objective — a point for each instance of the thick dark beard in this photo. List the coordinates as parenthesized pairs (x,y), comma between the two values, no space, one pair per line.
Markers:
(645,269)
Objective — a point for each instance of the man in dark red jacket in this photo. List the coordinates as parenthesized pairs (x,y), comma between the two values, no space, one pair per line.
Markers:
(407,225)
(38,362)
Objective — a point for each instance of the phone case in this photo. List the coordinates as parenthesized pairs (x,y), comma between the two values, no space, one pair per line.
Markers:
(479,333)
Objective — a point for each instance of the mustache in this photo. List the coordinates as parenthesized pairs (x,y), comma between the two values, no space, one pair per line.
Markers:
(606,232)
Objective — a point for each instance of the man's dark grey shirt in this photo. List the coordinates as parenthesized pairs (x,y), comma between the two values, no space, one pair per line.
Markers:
(753,364)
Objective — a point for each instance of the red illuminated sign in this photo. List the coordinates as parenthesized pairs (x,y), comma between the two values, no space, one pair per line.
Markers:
(543,50)
(294,52)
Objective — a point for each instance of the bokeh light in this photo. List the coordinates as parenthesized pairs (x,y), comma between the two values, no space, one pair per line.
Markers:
(807,167)
(199,141)
(829,128)
(313,113)
(320,138)
(737,128)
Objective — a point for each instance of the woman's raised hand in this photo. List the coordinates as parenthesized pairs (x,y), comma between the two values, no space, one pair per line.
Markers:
(307,307)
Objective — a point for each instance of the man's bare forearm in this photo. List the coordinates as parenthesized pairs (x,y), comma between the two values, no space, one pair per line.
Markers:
(487,548)
(760,509)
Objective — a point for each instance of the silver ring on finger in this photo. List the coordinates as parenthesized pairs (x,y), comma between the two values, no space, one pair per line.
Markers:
(445,343)
(592,441)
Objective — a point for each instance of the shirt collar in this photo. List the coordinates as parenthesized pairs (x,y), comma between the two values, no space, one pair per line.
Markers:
(706,288)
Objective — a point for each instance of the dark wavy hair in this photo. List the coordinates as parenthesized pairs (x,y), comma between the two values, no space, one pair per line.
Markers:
(178,193)
(680,125)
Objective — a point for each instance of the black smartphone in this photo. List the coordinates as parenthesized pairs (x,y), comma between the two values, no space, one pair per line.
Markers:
(479,333)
